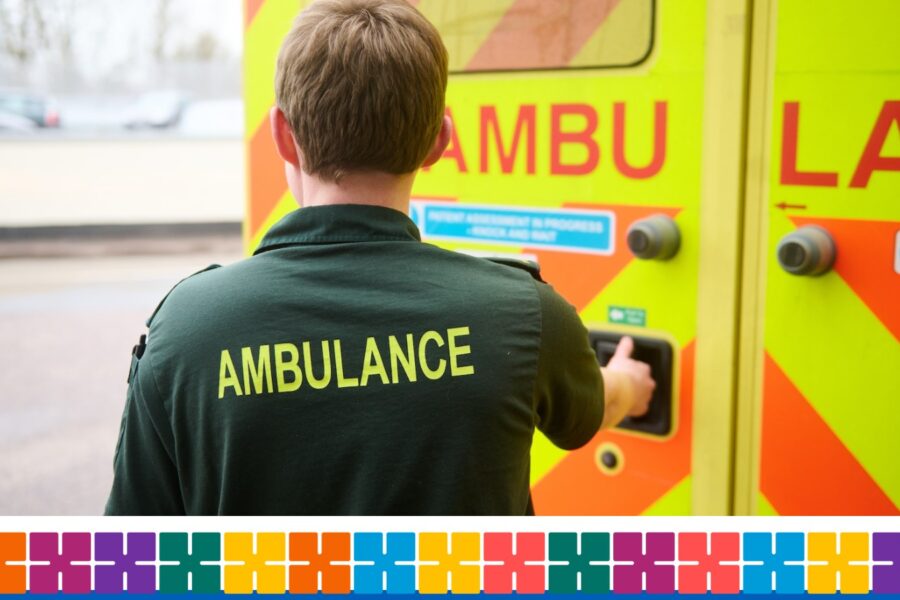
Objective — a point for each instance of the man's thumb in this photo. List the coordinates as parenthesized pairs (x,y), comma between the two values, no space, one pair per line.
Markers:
(625,347)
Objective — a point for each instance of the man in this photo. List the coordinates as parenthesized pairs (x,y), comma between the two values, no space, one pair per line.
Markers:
(348,368)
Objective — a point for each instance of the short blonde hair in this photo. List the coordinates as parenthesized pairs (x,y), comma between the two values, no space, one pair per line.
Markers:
(362,84)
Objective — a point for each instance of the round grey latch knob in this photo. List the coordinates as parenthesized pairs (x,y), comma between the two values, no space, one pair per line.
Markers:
(656,237)
(809,250)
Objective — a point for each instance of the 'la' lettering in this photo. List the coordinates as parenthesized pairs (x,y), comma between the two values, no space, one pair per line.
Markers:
(870,161)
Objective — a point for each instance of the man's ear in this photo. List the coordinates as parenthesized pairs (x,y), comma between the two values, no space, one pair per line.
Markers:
(284,137)
(440,143)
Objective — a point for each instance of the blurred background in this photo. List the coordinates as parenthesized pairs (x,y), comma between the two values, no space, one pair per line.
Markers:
(121,172)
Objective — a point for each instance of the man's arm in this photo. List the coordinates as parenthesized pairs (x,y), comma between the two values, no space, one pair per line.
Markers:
(572,399)
(568,389)
(145,477)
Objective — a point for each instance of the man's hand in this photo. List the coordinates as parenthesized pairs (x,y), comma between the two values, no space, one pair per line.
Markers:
(641,383)
(628,384)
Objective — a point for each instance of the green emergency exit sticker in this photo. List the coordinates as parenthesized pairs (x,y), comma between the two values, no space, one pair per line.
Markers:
(627,316)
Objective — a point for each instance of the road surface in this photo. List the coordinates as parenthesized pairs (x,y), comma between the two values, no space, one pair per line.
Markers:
(67,326)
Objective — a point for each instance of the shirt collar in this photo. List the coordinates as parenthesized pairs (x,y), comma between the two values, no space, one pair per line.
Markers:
(338,224)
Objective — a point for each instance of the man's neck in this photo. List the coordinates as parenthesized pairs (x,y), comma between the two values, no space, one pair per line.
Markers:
(373,189)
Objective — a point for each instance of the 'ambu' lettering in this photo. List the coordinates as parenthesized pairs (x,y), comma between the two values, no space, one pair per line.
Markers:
(286,367)
(574,148)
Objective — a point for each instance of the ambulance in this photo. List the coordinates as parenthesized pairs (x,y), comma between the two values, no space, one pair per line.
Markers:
(719,179)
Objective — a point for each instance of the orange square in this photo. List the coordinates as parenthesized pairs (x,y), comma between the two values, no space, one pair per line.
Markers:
(12,577)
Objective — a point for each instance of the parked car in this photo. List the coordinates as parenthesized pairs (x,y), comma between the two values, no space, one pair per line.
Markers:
(36,108)
(156,110)
(11,122)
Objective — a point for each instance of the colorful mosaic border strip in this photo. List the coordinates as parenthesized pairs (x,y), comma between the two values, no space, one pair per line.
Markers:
(458,562)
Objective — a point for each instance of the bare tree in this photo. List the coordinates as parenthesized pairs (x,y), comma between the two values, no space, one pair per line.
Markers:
(164,24)
(204,48)
(64,30)
(23,29)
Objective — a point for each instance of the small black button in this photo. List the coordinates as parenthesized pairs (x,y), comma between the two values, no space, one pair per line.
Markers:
(609,459)
(139,348)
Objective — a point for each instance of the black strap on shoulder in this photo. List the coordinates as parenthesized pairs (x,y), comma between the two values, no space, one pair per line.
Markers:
(136,353)
(532,267)
(163,301)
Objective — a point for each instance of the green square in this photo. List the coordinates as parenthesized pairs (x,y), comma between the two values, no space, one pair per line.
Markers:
(563,579)
(205,579)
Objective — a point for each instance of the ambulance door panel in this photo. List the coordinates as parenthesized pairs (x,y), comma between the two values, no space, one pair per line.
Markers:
(821,431)
(555,163)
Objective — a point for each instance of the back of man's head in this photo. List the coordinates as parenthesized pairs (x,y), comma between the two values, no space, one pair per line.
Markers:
(362,84)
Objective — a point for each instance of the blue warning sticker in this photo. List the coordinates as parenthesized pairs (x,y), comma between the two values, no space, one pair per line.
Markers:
(571,230)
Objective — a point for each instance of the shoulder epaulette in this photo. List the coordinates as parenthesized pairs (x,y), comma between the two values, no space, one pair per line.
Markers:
(533,268)
(161,302)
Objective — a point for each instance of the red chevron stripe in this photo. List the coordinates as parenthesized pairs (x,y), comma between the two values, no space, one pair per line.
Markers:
(864,260)
(537,34)
(575,486)
(266,176)
(580,277)
(805,469)
(251,7)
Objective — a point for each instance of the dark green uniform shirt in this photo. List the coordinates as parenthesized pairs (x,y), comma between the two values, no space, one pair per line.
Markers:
(349,368)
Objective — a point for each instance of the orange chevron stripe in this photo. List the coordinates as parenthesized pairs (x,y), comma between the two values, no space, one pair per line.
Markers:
(575,486)
(251,7)
(580,277)
(805,469)
(267,183)
(864,253)
(536,34)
